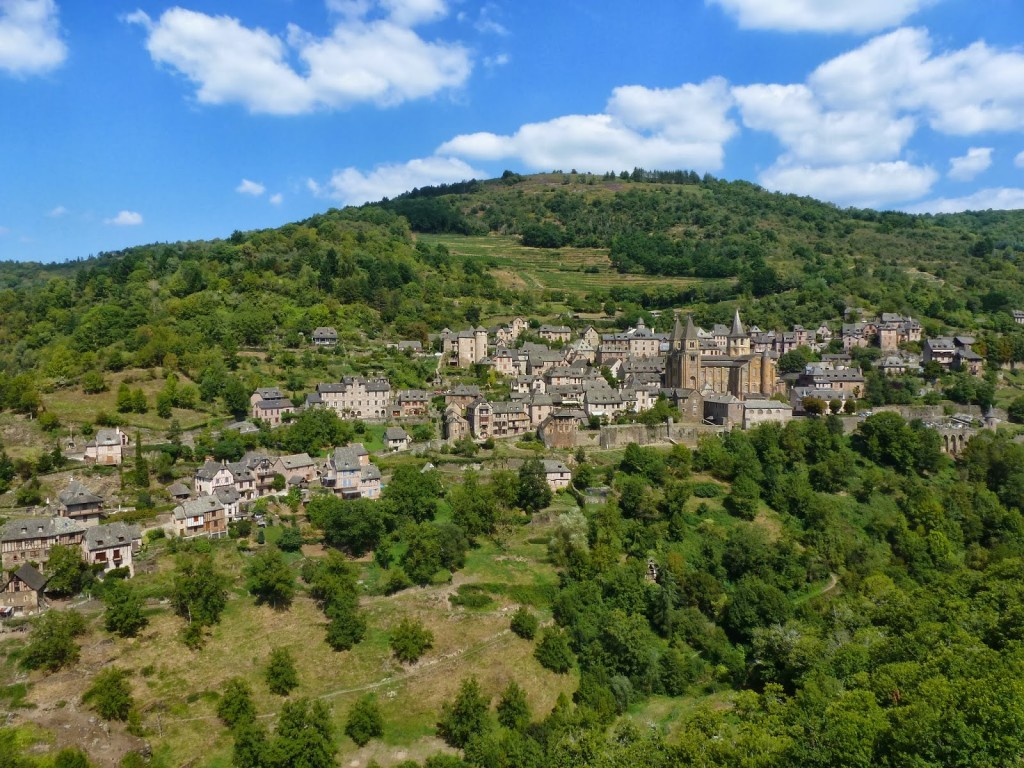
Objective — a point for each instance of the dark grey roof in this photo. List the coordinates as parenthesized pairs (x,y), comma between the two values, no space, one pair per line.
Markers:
(32,577)
(347,458)
(414,395)
(508,408)
(277,404)
(227,494)
(269,393)
(179,489)
(395,433)
(208,470)
(110,535)
(195,507)
(108,437)
(77,494)
(296,460)
(33,528)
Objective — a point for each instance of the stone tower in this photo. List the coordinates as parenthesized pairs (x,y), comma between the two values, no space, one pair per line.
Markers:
(682,367)
(738,343)
(480,344)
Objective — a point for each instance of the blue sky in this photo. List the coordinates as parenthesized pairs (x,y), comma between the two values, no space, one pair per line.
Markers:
(128,122)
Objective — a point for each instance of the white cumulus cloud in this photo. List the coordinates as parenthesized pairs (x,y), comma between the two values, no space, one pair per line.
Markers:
(276,199)
(996,198)
(813,134)
(961,92)
(30,41)
(382,61)
(821,15)
(865,185)
(845,131)
(684,127)
(125,219)
(966,168)
(1019,160)
(56,213)
(352,186)
(247,187)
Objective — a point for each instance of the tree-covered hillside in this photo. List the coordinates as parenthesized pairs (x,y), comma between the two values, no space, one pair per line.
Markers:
(808,260)
(398,269)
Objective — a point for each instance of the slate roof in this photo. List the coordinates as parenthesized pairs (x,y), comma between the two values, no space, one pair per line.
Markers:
(108,437)
(551,466)
(32,577)
(77,494)
(296,461)
(110,535)
(34,528)
(227,494)
(755,405)
(196,507)
(179,489)
(395,433)
(269,393)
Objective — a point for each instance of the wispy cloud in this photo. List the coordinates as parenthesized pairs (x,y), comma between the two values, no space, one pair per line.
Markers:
(966,168)
(125,219)
(56,213)
(352,186)
(996,198)
(253,188)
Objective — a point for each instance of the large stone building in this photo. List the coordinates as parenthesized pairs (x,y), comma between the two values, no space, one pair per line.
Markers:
(738,372)
(353,397)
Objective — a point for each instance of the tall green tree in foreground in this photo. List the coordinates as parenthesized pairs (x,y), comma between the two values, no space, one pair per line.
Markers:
(198,595)
(364,721)
(124,609)
(282,677)
(466,716)
(268,577)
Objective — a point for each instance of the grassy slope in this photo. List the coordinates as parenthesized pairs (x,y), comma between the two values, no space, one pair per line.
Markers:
(176,688)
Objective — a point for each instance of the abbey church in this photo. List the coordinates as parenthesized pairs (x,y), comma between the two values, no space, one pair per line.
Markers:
(734,370)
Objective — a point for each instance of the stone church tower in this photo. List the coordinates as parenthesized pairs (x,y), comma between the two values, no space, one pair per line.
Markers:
(682,367)
(738,343)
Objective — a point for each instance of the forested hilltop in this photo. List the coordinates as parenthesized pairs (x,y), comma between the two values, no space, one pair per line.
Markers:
(366,270)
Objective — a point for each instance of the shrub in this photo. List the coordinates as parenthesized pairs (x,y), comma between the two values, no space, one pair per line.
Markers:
(282,678)
(236,705)
(410,640)
(553,651)
(53,641)
(471,596)
(707,490)
(110,694)
(364,721)
(396,581)
(291,540)
(524,623)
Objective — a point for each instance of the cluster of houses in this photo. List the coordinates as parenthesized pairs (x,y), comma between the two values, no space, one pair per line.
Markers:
(26,543)
(722,375)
